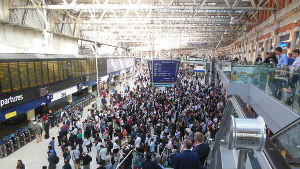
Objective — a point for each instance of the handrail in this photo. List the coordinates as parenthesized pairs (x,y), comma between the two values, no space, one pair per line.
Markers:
(133,150)
(124,159)
(270,153)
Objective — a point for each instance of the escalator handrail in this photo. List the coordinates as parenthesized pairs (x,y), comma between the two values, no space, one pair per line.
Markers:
(271,152)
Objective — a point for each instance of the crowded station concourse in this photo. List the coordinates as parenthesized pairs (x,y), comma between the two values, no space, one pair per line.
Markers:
(147,84)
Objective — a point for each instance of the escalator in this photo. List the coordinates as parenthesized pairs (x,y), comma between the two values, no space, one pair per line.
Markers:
(222,157)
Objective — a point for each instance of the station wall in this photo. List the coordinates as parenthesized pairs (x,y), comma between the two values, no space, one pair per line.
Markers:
(19,40)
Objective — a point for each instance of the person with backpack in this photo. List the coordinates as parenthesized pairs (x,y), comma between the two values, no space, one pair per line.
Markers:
(86,160)
(53,160)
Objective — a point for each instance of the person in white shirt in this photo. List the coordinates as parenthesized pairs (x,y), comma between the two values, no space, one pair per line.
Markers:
(103,152)
(138,141)
(88,144)
(75,153)
(296,56)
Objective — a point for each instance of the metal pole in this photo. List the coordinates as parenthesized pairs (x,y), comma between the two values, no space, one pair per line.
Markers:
(96,56)
(242,159)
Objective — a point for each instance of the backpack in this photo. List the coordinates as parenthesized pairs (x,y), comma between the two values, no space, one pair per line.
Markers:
(56,159)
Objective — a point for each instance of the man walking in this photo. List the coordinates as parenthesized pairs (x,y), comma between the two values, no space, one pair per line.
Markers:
(187,159)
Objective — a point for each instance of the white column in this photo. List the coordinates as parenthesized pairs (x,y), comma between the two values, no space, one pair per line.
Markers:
(90,89)
(69,98)
(31,115)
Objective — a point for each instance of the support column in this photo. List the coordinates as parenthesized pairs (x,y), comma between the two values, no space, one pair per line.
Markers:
(90,89)
(69,99)
(30,115)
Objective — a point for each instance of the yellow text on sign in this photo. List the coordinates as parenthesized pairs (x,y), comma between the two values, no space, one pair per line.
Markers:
(11,114)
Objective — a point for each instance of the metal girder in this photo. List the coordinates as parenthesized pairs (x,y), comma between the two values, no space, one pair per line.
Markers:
(142,7)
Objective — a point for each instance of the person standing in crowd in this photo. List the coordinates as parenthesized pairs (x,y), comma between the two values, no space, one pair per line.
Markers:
(296,55)
(267,57)
(187,159)
(290,59)
(66,164)
(75,153)
(20,165)
(258,59)
(201,147)
(38,132)
(47,127)
(86,160)
(148,164)
(52,160)
(283,59)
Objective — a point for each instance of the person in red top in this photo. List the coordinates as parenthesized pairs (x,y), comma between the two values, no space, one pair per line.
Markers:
(45,117)
(120,105)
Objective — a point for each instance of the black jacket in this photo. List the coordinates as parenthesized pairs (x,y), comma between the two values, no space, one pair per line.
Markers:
(202,150)
(86,159)
(149,165)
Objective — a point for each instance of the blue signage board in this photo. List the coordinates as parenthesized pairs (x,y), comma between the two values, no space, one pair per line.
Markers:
(164,71)
(138,59)
(163,85)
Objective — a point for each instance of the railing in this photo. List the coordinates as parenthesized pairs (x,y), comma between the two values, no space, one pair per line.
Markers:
(281,83)
(268,158)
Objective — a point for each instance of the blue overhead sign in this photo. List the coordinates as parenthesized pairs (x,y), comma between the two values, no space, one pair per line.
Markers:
(164,71)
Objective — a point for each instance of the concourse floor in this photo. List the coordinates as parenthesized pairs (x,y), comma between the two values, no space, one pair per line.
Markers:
(34,155)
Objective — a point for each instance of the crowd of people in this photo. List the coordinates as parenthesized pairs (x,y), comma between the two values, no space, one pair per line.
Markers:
(135,126)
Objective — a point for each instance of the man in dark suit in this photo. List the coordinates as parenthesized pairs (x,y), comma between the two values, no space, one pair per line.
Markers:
(201,147)
(187,159)
(148,164)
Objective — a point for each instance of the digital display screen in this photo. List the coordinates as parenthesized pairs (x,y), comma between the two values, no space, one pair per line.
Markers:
(165,71)
(282,44)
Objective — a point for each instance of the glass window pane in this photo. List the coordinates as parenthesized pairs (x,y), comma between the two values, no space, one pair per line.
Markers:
(45,72)
(24,75)
(88,63)
(38,72)
(56,74)
(50,71)
(78,68)
(31,72)
(4,78)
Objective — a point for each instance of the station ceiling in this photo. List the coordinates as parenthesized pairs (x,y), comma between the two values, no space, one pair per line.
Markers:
(164,24)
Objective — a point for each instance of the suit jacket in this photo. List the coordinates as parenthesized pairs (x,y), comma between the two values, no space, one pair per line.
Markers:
(202,150)
(187,160)
(149,165)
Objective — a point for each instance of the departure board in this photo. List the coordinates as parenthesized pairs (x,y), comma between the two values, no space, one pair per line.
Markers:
(38,72)
(50,71)
(14,74)
(4,78)
(24,75)
(61,71)
(165,71)
(56,73)
(45,72)
(31,72)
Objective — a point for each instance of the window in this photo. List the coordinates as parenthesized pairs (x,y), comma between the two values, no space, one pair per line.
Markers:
(84,67)
(45,72)
(38,72)
(284,37)
(31,71)
(55,67)
(24,75)
(4,78)
(50,70)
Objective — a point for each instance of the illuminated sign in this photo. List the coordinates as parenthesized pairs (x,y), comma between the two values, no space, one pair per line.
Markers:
(10,100)
(10,115)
